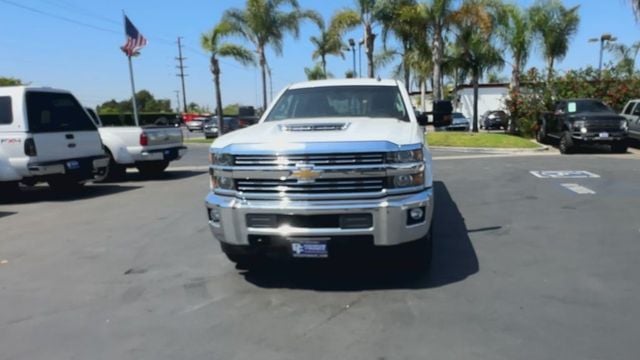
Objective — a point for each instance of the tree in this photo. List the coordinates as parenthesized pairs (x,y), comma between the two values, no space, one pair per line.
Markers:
(363,15)
(626,56)
(144,99)
(555,25)
(9,81)
(328,42)
(475,27)
(440,16)
(212,43)
(515,30)
(264,23)
(408,21)
(315,73)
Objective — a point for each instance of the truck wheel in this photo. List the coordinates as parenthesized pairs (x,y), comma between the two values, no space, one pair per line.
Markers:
(566,143)
(152,168)
(541,136)
(619,147)
(114,172)
(65,184)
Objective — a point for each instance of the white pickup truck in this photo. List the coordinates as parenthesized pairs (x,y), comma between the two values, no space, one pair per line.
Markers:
(631,112)
(331,165)
(148,148)
(45,135)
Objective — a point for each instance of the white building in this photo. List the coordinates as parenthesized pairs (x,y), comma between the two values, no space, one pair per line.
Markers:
(490,97)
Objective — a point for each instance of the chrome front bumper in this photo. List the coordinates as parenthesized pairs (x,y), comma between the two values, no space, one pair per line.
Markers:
(389,217)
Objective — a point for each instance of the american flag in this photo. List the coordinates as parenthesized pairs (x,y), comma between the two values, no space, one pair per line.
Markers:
(135,40)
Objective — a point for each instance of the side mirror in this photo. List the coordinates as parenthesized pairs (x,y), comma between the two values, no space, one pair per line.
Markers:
(423,119)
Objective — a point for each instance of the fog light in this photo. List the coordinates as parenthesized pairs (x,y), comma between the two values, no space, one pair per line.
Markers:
(214,215)
(402,180)
(416,214)
(583,130)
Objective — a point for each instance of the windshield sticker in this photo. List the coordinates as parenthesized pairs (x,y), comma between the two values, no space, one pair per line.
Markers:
(571,107)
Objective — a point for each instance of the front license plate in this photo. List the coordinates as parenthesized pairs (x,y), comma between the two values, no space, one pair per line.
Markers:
(309,249)
(73,165)
(603,135)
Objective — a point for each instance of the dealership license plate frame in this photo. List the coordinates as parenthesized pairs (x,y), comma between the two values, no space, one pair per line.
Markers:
(314,248)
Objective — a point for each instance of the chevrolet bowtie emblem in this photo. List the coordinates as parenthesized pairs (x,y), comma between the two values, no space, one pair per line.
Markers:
(305,173)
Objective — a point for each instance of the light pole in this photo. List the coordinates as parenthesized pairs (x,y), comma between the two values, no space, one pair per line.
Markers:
(603,38)
(360,43)
(352,43)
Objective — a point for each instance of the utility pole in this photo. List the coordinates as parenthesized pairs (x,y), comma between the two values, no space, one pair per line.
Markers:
(177,100)
(352,43)
(181,67)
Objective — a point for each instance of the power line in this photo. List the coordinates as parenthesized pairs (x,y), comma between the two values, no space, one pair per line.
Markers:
(59,17)
(80,10)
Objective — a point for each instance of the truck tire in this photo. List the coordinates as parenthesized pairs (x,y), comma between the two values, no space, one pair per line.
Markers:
(541,136)
(619,147)
(65,184)
(115,171)
(152,168)
(566,145)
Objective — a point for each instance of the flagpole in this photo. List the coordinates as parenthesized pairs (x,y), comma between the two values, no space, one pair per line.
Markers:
(133,91)
(133,85)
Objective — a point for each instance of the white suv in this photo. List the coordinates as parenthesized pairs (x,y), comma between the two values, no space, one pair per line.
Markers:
(46,135)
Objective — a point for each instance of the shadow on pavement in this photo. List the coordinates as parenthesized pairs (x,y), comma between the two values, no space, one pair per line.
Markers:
(6,213)
(45,193)
(454,259)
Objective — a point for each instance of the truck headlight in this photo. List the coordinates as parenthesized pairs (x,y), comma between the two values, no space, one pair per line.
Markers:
(624,125)
(583,130)
(407,180)
(221,182)
(221,159)
(405,156)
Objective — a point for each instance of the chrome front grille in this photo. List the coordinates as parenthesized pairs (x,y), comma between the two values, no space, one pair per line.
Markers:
(320,186)
(317,160)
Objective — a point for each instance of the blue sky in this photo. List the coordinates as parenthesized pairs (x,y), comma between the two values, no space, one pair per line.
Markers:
(49,51)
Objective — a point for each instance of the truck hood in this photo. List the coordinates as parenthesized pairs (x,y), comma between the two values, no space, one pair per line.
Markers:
(277,134)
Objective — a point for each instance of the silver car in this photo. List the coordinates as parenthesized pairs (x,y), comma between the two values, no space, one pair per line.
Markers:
(210,128)
(459,122)
(196,124)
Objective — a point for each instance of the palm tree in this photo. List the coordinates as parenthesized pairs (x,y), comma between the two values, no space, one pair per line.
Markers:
(264,23)
(365,15)
(315,73)
(408,21)
(327,43)
(475,26)
(626,56)
(440,16)
(516,33)
(212,43)
(555,26)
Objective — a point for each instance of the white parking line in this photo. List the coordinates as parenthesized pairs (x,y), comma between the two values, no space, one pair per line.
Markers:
(579,189)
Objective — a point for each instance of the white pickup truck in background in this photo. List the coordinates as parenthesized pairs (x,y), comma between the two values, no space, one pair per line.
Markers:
(148,148)
(45,135)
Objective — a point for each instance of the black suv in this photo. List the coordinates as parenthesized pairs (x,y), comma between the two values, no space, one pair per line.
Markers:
(583,121)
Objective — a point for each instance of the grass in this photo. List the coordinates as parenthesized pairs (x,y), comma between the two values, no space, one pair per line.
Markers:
(478,140)
(198,141)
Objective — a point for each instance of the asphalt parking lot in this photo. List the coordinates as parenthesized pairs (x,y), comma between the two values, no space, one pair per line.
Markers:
(524,268)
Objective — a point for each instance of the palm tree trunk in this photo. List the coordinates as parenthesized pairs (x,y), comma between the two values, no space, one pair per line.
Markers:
(369,42)
(515,92)
(423,94)
(215,69)
(405,66)
(549,70)
(263,66)
(437,62)
(324,66)
(476,81)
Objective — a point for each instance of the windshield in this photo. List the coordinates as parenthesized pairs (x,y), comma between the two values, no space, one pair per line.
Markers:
(340,101)
(590,106)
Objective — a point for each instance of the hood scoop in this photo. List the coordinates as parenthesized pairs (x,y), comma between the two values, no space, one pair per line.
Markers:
(314,127)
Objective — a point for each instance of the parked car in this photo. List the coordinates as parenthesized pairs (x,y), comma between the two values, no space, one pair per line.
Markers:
(331,175)
(459,122)
(46,136)
(494,120)
(210,128)
(196,124)
(148,148)
(576,122)
(631,112)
